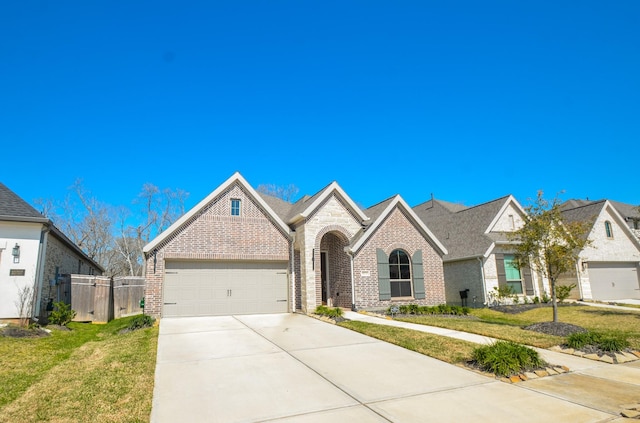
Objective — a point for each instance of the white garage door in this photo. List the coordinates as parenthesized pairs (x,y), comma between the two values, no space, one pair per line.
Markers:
(613,281)
(206,288)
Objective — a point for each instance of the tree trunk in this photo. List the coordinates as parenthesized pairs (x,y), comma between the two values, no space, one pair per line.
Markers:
(554,301)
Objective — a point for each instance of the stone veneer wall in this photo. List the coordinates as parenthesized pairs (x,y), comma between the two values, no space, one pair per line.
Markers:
(332,216)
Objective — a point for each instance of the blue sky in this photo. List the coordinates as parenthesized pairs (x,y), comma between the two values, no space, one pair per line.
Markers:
(467,100)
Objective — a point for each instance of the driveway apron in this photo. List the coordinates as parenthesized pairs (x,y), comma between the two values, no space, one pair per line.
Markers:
(290,367)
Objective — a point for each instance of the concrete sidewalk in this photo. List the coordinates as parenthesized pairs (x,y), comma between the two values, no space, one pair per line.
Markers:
(590,383)
(293,368)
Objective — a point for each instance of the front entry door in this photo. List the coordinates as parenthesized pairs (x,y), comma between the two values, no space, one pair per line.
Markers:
(324,276)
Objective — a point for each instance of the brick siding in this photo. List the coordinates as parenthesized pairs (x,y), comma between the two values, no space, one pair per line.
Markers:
(396,232)
(213,234)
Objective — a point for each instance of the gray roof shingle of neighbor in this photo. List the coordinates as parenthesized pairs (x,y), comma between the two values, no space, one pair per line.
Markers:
(581,210)
(14,207)
(626,210)
(461,229)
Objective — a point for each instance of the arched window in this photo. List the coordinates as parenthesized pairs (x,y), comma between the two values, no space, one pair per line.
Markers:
(608,229)
(400,274)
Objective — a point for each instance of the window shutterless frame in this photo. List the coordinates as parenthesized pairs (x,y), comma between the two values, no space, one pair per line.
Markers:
(235,207)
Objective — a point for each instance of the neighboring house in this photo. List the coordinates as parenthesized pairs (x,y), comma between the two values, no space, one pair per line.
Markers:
(241,252)
(608,269)
(33,254)
(480,255)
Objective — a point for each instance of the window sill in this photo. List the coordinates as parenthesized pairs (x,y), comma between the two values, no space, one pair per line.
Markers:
(401,298)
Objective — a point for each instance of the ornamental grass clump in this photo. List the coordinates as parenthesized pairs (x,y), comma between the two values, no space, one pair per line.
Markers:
(609,342)
(328,311)
(506,358)
(442,309)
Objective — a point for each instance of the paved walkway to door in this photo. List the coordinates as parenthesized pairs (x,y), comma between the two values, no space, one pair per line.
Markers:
(293,368)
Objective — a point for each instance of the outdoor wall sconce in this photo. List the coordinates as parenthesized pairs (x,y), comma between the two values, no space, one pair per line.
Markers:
(585,266)
(15,252)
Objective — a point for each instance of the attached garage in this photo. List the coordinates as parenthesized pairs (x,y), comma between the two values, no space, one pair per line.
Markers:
(214,288)
(614,280)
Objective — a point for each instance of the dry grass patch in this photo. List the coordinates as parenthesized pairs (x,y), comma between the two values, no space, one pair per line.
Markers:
(446,349)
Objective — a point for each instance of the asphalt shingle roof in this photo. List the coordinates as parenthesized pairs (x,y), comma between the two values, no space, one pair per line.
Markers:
(461,229)
(582,211)
(15,208)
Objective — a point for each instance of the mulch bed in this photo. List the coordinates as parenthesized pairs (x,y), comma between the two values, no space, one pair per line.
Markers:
(18,332)
(521,308)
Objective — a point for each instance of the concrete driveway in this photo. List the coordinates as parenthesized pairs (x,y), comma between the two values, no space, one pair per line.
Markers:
(290,367)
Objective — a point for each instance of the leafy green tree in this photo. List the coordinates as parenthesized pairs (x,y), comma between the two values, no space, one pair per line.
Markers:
(549,243)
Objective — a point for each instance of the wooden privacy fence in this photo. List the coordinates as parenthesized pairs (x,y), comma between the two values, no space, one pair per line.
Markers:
(100,299)
(127,293)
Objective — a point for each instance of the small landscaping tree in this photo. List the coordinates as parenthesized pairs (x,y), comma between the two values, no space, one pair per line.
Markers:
(24,303)
(548,243)
(62,314)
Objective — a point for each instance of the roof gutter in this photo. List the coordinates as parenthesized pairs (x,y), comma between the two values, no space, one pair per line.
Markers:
(24,219)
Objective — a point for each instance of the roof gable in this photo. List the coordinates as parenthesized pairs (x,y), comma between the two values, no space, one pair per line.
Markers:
(594,212)
(498,223)
(236,178)
(308,205)
(382,210)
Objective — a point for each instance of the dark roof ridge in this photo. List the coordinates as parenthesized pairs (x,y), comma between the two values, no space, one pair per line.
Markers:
(592,203)
(383,201)
(485,203)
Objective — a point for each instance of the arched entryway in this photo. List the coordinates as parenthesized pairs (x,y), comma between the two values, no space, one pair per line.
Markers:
(333,276)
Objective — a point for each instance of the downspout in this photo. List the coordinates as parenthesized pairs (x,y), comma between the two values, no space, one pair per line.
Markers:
(293,273)
(579,264)
(353,284)
(484,283)
(42,252)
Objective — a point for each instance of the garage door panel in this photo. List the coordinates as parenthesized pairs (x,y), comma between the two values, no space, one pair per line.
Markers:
(202,288)
(614,280)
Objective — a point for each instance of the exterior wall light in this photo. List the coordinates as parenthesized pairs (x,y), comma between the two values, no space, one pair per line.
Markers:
(15,252)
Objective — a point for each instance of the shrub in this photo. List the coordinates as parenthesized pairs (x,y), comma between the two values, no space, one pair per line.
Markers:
(606,342)
(545,297)
(613,343)
(503,292)
(141,321)
(61,314)
(536,300)
(426,310)
(505,358)
(323,310)
(563,291)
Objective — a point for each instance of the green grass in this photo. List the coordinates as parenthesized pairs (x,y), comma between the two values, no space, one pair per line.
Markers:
(446,349)
(509,326)
(91,373)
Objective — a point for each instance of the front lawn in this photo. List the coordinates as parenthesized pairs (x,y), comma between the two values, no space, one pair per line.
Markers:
(509,326)
(91,374)
(450,350)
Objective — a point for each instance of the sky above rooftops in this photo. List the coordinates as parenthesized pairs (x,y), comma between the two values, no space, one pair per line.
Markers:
(467,100)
